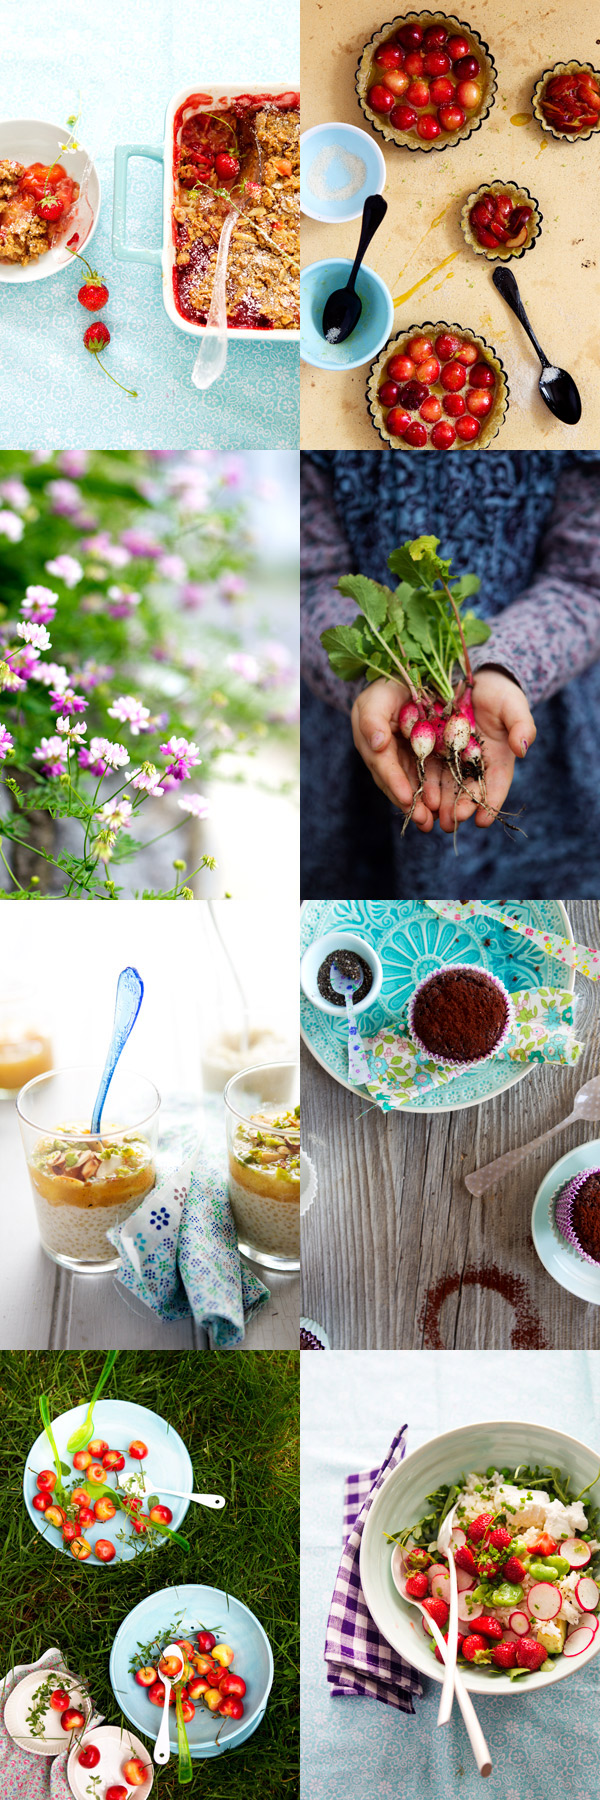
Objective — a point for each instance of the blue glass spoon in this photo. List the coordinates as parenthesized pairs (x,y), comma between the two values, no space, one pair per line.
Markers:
(130,993)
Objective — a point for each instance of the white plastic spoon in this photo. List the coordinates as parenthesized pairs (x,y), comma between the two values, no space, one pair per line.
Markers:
(162,1747)
(132,1486)
(586,1105)
(476,1737)
(444,1544)
(212,355)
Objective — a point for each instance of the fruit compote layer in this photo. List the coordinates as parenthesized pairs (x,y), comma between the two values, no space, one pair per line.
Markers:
(246,154)
(23,1057)
(499,223)
(427,81)
(570,102)
(437,392)
(25,234)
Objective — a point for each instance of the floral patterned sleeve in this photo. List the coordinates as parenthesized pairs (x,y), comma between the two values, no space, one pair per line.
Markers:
(552,632)
(325,554)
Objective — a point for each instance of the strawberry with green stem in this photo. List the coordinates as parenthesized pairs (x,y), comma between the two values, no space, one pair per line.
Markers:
(94,293)
(96,339)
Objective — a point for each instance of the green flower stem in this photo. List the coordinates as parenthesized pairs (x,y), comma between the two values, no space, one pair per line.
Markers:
(9,871)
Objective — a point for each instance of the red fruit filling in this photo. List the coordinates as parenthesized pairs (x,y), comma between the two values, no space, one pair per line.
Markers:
(495,221)
(446,77)
(571,102)
(433,388)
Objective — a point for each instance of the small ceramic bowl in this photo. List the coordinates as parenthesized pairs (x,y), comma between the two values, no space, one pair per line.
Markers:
(447,1062)
(320,280)
(563,1215)
(315,955)
(34,140)
(324,181)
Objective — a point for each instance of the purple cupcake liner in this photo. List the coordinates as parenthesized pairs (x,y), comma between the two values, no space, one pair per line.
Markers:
(448,1062)
(563,1215)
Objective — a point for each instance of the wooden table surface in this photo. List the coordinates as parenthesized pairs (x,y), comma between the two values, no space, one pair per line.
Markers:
(396,1254)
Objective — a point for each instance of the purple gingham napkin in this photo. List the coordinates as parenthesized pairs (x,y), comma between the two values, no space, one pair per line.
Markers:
(359,1660)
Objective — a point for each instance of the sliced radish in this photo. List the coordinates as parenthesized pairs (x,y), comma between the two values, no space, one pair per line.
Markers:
(587,1593)
(579,1640)
(466,1612)
(520,1623)
(577,1553)
(590,1619)
(440,1586)
(436,1569)
(464,1581)
(511,1637)
(458,1536)
(544,1600)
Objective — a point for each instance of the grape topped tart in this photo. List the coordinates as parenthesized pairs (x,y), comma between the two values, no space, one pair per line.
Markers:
(437,387)
(566,100)
(501,220)
(426,81)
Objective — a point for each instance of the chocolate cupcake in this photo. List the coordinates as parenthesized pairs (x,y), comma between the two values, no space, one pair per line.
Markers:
(577,1214)
(460,1015)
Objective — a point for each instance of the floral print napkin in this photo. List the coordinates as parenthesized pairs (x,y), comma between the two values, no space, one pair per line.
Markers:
(179,1251)
(542,1032)
(23,1776)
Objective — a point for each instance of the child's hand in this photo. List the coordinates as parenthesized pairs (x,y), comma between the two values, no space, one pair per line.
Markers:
(387,754)
(508,731)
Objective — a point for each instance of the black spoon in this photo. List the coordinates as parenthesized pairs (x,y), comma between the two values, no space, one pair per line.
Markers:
(557,387)
(343,308)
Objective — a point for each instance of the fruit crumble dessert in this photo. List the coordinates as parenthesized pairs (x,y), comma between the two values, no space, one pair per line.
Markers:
(438,387)
(84,1185)
(245,155)
(426,81)
(34,204)
(526,1556)
(501,220)
(566,100)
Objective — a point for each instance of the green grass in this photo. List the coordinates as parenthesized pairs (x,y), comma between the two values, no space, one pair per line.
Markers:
(238,1416)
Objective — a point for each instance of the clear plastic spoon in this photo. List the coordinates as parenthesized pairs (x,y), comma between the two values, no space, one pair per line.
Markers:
(130,993)
(358,1067)
(586,1105)
(212,355)
(162,1747)
(444,1544)
(475,1734)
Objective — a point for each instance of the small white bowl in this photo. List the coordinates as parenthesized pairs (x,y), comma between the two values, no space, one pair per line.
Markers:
(35,140)
(314,956)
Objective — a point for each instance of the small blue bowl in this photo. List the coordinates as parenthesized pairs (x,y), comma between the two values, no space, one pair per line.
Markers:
(332,208)
(320,280)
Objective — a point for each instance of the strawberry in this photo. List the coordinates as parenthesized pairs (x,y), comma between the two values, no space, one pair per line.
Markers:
(473,1646)
(530,1654)
(505,1656)
(487,1569)
(546,1545)
(490,1627)
(416,1586)
(500,1538)
(96,339)
(49,208)
(94,293)
(514,1569)
(416,1558)
(465,1559)
(437,1610)
(479,1527)
(459,1645)
(227,167)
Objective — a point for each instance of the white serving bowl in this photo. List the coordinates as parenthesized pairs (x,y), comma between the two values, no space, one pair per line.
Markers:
(34,140)
(322,947)
(401,1501)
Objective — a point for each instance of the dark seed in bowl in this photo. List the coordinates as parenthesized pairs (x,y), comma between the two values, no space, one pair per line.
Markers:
(350,964)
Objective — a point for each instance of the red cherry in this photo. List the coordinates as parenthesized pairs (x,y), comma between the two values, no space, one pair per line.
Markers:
(467,429)
(428,370)
(431,409)
(403,118)
(479,402)
(413,395)
(388,393)
(483,211)
(454,405)
(486,237)
(457,47)
(410,36)
(451,117)
(441,90)
(468,95)
(435,37)
(380,99)
(443,436)
(435,62)
(481,376)
(468,353)
(447,346)
(428,126)
(397,421)
(389,56)
(420,348)
(414,63)
(397,81)
(453,376)
(40,1501)
(466,68)
(400,368)
(415,434)
(89,1757)
(418,94)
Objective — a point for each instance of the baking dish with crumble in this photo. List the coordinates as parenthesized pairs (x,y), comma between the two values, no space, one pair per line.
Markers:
(225,147)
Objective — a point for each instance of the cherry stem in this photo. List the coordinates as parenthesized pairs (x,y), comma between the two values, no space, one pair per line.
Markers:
(131,391)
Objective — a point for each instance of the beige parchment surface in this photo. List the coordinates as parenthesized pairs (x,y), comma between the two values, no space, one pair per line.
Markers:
(559,279)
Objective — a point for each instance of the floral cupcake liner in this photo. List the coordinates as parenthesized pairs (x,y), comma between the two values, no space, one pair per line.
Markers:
(448,1062)
(562,1208)
(403,139)
(310,1329)
(490,426)
(522,197)
(563,68)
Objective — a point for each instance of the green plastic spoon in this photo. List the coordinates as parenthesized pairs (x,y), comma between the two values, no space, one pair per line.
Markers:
(80,1439)
(61,1468)
(186,1770)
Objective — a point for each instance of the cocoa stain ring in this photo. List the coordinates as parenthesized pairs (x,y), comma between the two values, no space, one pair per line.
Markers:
(527,1332)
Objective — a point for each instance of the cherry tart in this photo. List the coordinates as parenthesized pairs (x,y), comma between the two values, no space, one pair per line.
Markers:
(437,387)
(501,220)
(566,100)
(426,81)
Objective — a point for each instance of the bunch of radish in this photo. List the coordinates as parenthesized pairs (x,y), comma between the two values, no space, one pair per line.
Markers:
(448,730)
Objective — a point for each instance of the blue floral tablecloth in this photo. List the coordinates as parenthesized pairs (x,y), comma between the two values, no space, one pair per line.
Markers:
(122,63)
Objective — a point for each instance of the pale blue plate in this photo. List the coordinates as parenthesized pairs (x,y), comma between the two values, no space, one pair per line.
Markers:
(411,941)
(119,1422)
(334,137)
(560,1261)
(232,1623)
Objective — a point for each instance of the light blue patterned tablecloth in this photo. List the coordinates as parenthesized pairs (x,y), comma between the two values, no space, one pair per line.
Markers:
(543,1746)
(125,59)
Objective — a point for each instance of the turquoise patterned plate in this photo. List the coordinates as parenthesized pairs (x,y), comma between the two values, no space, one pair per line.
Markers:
(412,940)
